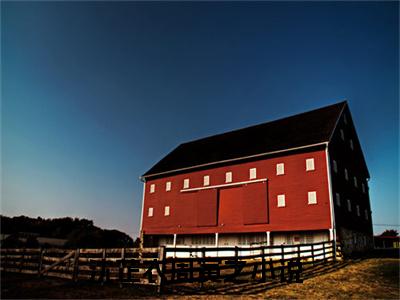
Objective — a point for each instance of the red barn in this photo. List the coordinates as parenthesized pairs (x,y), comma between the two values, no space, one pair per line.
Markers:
(294,180)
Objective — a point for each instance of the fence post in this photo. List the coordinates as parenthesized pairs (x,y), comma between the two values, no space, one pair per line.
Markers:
(161,255)
(323,250)
(76,266)
(40,261)
(334,249)
(312,254)
(263,264)
(298,251)
(22,260)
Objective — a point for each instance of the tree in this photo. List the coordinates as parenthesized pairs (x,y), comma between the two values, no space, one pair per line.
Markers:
(390,232)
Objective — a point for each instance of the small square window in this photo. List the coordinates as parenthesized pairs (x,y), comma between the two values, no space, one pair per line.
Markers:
(150,212)
(280,169)
(337,199)
(253,173)
(152,188)
(342,134)
(186,183)
(310,164)
(348,205)
(281,201)
(168,186)
(335,169)
(358,210)
(228,177)
(346,174)
(206,180)
(166,211)
(312,197)
(351,145)
(355,181)
(363,187)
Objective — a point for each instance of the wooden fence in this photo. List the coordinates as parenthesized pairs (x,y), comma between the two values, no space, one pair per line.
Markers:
(164,265)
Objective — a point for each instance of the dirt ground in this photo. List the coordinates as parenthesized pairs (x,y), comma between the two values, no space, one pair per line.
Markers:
(358,279)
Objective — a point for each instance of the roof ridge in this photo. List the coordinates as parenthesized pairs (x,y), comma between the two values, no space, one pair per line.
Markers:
(344,102)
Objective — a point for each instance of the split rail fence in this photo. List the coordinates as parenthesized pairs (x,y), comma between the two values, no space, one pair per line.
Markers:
(164,265)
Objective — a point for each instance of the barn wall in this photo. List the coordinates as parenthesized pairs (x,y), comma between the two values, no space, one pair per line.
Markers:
(198,212)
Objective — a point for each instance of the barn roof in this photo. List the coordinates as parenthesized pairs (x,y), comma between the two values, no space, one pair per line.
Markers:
(303,129)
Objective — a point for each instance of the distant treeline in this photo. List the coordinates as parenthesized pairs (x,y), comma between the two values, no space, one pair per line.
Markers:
(77,233)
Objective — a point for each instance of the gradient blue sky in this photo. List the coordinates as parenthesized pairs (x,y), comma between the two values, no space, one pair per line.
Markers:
(95,93)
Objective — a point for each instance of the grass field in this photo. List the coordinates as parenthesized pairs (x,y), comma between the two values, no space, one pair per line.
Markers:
(359,279)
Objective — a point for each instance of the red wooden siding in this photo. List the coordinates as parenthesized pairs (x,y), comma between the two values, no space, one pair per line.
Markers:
(207,207)
(196,212)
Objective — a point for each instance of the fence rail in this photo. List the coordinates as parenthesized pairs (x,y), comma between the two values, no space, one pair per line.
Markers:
(165,265)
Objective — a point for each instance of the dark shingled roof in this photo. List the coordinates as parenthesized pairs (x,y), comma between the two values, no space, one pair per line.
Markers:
(299,130)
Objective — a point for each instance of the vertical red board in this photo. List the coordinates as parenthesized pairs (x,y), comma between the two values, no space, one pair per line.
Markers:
(230,206)
(185,213)
(207,207)
(255,203)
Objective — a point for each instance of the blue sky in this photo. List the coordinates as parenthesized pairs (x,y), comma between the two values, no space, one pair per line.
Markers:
(95,93)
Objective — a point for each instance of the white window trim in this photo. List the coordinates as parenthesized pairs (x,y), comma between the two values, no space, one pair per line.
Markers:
(168,186)
(355,181)
(338,199)
(363,187)
(310,164)
(166,211)
(280,169)
(206,180)
(349,205)
(186,183)
(335,168)
(253,173)
(152,188)
(342,134)
(281,200)
(150,212)
(351,144)
(228,177)
(346,174)
(312,197)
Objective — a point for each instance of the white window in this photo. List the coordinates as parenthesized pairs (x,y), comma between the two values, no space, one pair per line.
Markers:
(363,187)
(166,211)
(337,199)
(312,197)
(206,180)
(335,166)
(358,210)
(310,164)
(168,186)
(186,183)
(348,205)
(228,177)
(346,174)
(281,201)
(152,188)
(253,173)
(355,181)
(280,169)
(366,214)
(150,212)
(351,145)
(342,134)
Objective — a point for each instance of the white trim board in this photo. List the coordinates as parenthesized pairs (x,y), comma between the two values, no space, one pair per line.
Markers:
(223,185)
